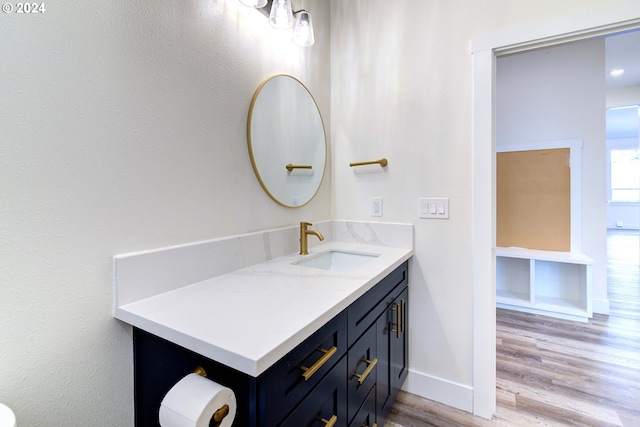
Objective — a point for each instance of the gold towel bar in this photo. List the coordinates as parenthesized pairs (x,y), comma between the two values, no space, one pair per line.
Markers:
(382,162)
(291,167)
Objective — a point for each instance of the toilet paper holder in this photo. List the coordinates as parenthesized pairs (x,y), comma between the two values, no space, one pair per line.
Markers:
(222,412)
(200,371)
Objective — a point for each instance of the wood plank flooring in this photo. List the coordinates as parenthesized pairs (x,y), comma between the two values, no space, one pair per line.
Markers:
(553,372)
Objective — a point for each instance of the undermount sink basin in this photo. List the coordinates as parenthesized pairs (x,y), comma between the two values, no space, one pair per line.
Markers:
(336,260)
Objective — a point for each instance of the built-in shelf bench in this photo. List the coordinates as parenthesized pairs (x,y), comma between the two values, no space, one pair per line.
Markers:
(551,283)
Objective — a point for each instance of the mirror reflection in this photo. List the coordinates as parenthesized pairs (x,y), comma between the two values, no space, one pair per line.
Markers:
(287,142)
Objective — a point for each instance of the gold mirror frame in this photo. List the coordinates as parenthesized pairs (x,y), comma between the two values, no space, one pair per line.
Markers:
(286,140)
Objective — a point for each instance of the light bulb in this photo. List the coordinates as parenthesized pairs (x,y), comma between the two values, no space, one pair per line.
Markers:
(281,15)
(303,31)
(254,3)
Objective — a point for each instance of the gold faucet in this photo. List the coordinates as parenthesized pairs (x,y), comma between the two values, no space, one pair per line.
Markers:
(303,237)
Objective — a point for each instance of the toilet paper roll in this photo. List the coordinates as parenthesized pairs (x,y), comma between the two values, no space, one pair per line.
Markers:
(194,400)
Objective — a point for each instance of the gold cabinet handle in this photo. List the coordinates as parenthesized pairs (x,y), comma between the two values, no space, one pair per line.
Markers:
(404,314)
(330,422)
(363,376)
(396,308)
(308,372)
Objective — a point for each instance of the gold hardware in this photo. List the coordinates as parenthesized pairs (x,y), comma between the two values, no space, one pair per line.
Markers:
(200,371)
(291,167)
(396,308)
(304,246)
(330,422)
(382,162)
(308,372)
(403,318)
(218,416)
(363,376)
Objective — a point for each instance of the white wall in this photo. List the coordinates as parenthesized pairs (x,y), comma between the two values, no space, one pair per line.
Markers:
(556,94)
(123,127)
(624,96)
(402,89)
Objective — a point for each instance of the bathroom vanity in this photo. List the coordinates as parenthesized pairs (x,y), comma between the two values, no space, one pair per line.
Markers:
(347,373)
(298,343)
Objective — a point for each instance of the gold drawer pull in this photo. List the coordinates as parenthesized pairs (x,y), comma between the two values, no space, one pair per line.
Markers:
(396,308)
(308,372)
(404,315)
(363,376)
(330,422)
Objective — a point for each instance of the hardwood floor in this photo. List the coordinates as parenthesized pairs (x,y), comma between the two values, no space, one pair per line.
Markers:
(553,372)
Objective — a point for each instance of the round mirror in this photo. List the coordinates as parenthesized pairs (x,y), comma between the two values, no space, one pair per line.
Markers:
(286,139)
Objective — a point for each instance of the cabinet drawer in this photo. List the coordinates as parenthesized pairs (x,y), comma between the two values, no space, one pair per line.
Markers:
(325,404)
(366,416)
(361,370)
(364,312)
(288,381)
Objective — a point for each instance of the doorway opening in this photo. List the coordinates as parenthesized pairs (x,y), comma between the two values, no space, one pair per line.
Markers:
(608,20)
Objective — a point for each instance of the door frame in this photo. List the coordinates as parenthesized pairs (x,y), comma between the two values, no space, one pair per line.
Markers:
(611,19)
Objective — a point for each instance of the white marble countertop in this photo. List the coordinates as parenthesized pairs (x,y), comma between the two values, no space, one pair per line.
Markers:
(250,318)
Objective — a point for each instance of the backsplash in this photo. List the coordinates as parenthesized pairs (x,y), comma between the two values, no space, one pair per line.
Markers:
(143,274)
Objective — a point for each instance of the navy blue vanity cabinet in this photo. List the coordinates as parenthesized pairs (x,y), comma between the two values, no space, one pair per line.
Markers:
(325,405)
(392,340)
(366,415)
(346,374)
(362,371)
(366,310)
(378,340)
(160,364)
(284,385)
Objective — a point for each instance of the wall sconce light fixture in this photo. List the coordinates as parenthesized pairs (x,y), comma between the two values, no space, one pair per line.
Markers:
(281,16)
(254,3)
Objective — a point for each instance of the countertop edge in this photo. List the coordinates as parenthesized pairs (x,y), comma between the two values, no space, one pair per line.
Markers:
(240,362)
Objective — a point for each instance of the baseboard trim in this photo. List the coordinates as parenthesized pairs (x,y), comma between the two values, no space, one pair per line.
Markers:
(600,306)
(450,393)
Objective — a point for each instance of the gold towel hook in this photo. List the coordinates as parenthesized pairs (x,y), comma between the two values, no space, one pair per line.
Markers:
(382,162)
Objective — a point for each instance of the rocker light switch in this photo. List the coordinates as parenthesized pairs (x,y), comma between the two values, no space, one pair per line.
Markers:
(434,208)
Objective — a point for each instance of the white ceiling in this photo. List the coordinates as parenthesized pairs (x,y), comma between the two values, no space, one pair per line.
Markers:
(623,51)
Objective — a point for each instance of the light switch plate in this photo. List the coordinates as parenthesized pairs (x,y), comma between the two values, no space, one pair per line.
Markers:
(433,207)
